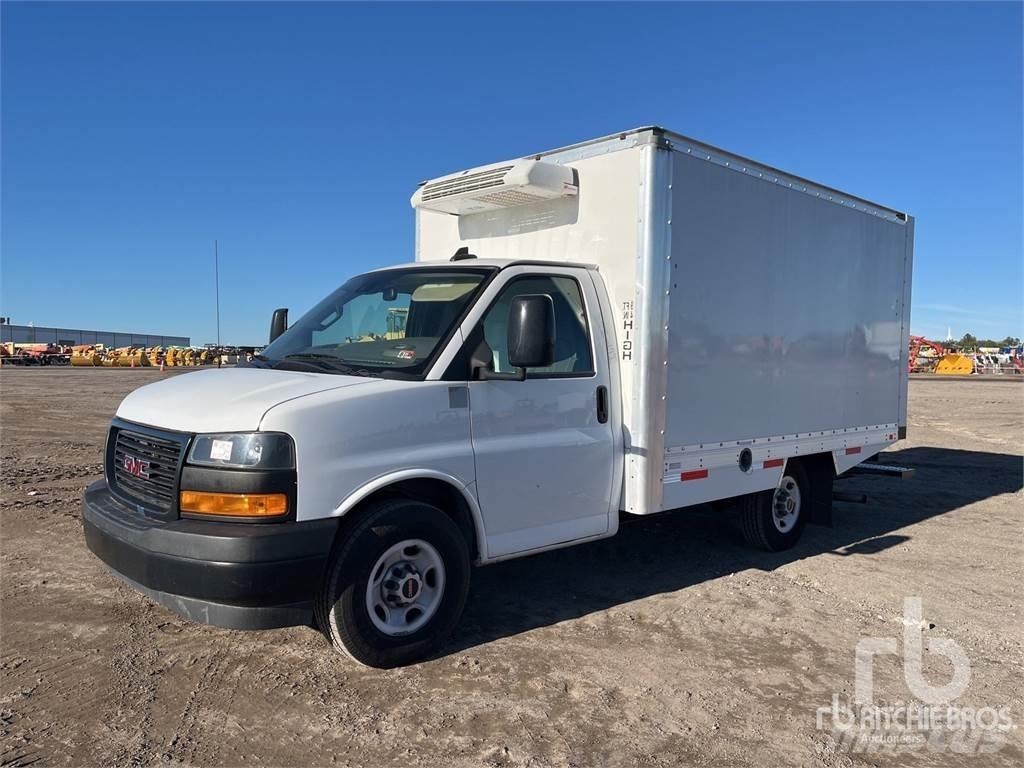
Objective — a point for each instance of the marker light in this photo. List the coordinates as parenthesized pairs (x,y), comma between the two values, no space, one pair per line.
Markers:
(234,504)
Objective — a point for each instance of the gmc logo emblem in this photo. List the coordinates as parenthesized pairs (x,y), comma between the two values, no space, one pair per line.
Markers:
(136,467)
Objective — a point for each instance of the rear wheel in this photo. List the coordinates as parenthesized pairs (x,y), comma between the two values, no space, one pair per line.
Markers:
(775,519)
(396,584)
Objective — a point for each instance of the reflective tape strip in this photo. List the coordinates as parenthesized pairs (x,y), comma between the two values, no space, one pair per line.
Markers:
(773,463)
(850,451)
(696,474)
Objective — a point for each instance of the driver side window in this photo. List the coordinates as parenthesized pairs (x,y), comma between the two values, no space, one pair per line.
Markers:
(573,355)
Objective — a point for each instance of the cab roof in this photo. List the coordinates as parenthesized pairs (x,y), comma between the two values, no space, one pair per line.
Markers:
(486,263)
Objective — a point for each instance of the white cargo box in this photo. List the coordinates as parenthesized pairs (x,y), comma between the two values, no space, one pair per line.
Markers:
(754,309)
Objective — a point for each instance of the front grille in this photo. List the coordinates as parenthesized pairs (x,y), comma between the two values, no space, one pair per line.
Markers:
(159,459)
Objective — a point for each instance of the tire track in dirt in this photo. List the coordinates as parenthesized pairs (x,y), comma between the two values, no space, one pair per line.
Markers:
(17,758)
(130,714)
(189,738)
(45,693)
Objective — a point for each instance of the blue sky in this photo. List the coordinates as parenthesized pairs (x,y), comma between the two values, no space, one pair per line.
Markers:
(135,134)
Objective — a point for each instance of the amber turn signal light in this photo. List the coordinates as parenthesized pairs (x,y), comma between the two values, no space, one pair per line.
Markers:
(234,504)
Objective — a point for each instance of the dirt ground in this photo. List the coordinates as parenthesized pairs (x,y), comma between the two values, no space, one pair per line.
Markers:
(671,643)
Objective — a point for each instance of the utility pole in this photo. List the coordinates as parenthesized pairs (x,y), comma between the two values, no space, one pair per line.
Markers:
(216,285)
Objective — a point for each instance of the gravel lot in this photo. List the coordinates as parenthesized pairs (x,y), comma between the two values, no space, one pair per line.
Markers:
(669,644)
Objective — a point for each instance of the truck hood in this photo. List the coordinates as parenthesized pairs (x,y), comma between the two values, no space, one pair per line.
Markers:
(225,400)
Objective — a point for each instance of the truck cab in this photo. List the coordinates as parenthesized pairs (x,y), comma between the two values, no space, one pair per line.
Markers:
(448,414)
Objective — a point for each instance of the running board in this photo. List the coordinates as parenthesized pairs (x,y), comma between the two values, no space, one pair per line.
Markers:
(885,470)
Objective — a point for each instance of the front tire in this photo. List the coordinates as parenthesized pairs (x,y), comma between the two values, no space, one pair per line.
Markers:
(396,584)
(773,520)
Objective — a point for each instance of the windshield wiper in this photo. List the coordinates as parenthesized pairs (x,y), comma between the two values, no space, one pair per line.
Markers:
(320,361)
(309,356)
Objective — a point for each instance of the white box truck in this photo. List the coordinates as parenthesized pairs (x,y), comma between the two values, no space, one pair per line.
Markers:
(633,324)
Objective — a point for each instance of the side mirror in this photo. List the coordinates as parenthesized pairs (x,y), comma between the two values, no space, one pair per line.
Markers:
(278,323)
(531,331)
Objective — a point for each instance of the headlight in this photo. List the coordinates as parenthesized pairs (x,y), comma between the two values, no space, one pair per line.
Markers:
(244,450)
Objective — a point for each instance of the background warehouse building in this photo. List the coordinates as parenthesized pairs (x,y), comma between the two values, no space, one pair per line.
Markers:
(35,334)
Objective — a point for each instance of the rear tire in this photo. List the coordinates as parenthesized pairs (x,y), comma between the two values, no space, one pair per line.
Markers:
(774,520)
(396,584)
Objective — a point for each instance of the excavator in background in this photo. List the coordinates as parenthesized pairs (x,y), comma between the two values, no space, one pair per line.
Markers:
(924,355)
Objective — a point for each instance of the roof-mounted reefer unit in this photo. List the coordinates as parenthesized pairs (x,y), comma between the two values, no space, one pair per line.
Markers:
(492,187)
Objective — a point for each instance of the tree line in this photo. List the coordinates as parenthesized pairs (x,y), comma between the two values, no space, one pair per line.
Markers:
(969,342)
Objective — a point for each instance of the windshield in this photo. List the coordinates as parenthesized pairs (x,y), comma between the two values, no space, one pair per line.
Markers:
(381,323)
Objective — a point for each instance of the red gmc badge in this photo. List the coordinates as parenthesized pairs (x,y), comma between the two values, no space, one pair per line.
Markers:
(135,466)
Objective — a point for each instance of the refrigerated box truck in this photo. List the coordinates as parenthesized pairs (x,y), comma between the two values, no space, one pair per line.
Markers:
(629,325)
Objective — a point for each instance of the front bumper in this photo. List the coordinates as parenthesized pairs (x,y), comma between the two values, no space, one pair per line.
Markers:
(235,575)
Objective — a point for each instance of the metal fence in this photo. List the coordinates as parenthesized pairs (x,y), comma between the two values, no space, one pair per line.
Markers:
(997,368)
(29,334)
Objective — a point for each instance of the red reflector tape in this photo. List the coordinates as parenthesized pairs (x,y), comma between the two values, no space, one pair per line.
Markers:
(696,474)
(852,450)
(773,463)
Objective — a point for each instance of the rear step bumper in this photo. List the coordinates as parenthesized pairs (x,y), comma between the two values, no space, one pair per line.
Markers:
(881,470)
(235,575)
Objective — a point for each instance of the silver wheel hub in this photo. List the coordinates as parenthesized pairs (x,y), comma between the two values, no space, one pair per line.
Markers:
(402,584)
(405,587)
(786,504)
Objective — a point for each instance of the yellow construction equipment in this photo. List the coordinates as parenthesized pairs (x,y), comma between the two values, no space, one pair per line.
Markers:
(133,357)
(126,357)
(953,364)
(86,355)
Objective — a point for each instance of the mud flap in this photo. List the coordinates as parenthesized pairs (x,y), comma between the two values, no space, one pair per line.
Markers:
(820,474)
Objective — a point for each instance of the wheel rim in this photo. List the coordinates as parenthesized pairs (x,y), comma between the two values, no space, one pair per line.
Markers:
(405,587)
(786,505)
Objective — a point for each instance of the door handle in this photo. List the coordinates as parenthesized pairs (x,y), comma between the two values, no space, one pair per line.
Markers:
(602,404)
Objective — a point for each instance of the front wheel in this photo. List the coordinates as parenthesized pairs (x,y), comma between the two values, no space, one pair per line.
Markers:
(775,519)
(396,584)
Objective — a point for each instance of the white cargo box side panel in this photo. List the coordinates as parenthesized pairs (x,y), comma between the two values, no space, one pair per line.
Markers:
(604,225)
(787,319)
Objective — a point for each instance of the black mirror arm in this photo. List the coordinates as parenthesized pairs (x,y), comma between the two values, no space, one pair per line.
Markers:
(480,366)
(486,374)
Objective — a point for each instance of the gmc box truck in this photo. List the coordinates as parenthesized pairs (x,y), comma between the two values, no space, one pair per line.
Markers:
(629,325)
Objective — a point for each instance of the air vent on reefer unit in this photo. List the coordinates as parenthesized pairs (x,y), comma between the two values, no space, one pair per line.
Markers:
(504,185)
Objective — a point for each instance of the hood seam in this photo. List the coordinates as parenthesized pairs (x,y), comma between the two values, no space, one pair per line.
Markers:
(259,424)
